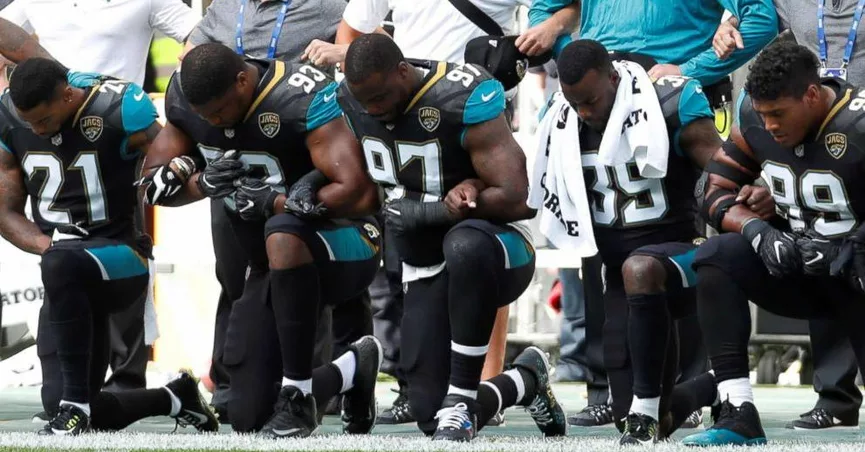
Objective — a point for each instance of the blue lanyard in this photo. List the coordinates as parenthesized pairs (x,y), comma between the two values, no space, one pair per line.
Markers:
(851,38)
(274,37)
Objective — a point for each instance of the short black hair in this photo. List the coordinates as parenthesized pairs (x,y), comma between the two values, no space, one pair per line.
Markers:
(783,69)
(208,71)
(35,82)
(370,54)
(579,57)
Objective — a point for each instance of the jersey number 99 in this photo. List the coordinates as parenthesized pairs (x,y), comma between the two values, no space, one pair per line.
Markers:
(820,191)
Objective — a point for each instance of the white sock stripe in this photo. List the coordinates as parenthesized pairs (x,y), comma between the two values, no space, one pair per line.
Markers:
(514,375)
(496,391)
(463,392)
(469,350)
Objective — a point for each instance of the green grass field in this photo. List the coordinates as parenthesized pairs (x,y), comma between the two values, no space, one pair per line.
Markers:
(777,405)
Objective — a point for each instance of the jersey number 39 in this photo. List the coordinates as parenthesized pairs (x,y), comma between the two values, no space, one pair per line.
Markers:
(646,202)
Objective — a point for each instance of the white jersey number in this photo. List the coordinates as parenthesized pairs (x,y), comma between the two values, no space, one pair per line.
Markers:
(87,162)
(382,167)
(818,190)
(612,182)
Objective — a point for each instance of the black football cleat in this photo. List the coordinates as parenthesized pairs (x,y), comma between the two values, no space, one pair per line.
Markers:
(545,410)
(358,403)
(69,420)
(194,410)
(294,415)
(457,419)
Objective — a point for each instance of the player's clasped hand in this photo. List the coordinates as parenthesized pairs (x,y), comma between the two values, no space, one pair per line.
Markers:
(254,199)
(817,253)
(217,179)
(302,199)
(166,181)
(463,198)
(850,263)
(758,199)
(776,249)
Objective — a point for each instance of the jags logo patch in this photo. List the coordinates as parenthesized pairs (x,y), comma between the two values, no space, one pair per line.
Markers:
(836,144)
(269,124)
(91,127)
(429,118)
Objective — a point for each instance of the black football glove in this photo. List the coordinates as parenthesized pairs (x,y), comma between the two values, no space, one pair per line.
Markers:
(217,179)
(406,216)
(777,249)
(302,198)
(850,262)
(817,253)
(254,199)
(163,183)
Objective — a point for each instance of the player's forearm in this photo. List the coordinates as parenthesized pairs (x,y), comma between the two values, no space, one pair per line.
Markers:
(347,201)
(17,45)
(23,233)
(502,205)
(736,217)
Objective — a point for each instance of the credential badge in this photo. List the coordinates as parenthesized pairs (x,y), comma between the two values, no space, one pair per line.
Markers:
(836,144)
(269,124)
(91,127)
(429,117)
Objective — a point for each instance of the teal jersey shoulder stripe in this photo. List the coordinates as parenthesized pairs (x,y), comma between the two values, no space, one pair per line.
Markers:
(693,105)
(324,108)
(136,110)
(486,102)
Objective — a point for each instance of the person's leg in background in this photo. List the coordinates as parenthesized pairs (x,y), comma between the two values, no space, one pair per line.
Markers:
(598,412)
(572,336)
(231,274)
(693,360)
(129,354)
(387,301)
(835,371)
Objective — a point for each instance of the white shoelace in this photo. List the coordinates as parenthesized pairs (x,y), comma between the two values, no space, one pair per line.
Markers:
(539,412)
(453,417)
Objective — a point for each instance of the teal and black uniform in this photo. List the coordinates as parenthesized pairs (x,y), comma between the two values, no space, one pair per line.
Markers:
(456,276)
(262,343)
(633,215)
(84,176)
(290,101)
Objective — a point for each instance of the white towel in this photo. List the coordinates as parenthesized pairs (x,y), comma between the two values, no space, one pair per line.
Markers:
(636,130)
(557,186)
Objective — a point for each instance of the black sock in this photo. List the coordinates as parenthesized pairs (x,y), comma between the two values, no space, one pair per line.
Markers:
(295,298)
(71,325)
(118,410)
(692,395)
(326,383)
(725,319)
(648,333)
(504,386)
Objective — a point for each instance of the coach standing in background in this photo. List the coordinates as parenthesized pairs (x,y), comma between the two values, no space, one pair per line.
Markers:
(278,29)
(834,41)
(110,37)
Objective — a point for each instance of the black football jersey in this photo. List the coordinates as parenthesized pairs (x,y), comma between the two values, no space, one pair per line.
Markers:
(420,155)
(290,101)
(629,211)
(84,174)
(818,185)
